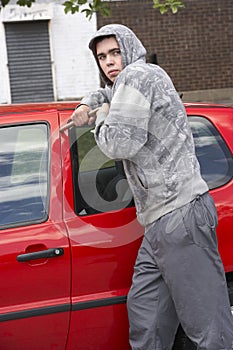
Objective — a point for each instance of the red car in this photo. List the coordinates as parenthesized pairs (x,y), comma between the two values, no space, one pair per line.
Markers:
(68,232)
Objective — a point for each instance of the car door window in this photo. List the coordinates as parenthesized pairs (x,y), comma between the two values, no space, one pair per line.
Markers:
(23,174)
(99,182)
(212,152)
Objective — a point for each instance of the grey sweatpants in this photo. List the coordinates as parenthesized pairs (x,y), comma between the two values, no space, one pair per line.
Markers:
(179,278)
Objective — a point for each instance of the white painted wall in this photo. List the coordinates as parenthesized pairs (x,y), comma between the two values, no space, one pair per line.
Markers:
(74,70)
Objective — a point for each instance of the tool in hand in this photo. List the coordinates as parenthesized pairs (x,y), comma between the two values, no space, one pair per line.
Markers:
(71,123)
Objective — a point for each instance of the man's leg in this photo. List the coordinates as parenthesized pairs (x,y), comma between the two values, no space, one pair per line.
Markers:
(152,316)
(186,252)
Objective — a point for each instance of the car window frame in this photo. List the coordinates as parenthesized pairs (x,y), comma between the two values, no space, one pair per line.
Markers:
(223,146)
(112,205)
(47,207)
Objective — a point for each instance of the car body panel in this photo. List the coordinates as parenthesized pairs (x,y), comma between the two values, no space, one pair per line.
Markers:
(78,300)
(222,118)
(104,248)
(36,293)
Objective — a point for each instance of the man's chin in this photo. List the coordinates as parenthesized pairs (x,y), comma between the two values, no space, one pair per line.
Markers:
(112,78)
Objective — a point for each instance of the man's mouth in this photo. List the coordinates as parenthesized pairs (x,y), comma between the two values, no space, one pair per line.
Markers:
(113,73)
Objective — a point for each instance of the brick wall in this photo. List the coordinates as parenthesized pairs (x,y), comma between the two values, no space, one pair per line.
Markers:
(195,46)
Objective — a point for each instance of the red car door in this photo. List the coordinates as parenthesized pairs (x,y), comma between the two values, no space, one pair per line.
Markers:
(34,247)
(105,237)
(212,130)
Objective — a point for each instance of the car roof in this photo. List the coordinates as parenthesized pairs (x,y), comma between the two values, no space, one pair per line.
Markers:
(37,107)
(70,105)
(205,105)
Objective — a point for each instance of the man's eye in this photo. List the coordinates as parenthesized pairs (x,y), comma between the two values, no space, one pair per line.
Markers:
(117,52)
(101,58)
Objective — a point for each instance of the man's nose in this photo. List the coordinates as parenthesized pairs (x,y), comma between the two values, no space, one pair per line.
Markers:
(109,60)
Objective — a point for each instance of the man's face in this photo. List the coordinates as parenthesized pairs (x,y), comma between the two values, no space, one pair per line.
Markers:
(109,57)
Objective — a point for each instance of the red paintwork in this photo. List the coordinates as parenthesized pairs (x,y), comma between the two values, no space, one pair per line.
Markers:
(100,251)
(38,284)
(222,118)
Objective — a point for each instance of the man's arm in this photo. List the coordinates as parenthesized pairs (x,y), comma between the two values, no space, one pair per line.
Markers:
(123,131)
(91,101)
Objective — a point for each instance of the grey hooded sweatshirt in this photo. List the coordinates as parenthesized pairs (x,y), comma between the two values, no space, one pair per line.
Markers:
(147,128)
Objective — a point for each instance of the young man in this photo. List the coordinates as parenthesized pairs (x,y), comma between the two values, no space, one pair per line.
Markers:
(178,275)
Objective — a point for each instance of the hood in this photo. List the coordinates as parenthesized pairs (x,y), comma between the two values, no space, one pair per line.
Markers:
(130,46)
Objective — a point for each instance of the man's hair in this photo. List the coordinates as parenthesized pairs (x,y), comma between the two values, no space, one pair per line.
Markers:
(98,39)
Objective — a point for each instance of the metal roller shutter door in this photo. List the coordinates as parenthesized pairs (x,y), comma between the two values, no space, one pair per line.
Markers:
(29,61)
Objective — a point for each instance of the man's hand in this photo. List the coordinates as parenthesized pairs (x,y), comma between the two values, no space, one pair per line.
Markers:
(80,116)
(104,109)
(102,112)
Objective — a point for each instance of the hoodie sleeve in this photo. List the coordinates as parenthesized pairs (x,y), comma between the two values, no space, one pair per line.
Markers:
(97,98)
(124,131)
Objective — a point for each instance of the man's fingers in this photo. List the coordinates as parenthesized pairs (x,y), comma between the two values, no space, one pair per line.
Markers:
(91,120)
(81,117)
(93,112)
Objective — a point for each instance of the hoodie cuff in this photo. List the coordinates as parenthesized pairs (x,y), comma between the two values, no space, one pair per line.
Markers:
(81,104)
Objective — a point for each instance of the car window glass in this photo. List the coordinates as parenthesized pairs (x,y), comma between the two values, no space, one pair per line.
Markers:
(99,182)
(23,174)
(213,154)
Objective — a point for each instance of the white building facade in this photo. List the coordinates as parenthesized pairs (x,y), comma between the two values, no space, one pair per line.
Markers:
(44,54)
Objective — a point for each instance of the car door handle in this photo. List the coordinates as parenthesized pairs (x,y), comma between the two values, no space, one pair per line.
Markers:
(42,254)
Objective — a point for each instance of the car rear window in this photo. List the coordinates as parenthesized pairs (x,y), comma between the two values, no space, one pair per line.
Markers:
(212,152)
(23,174)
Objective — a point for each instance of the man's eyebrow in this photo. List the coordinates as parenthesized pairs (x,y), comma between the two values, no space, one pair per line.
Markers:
(114,49)
(109,51)
(100,54)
